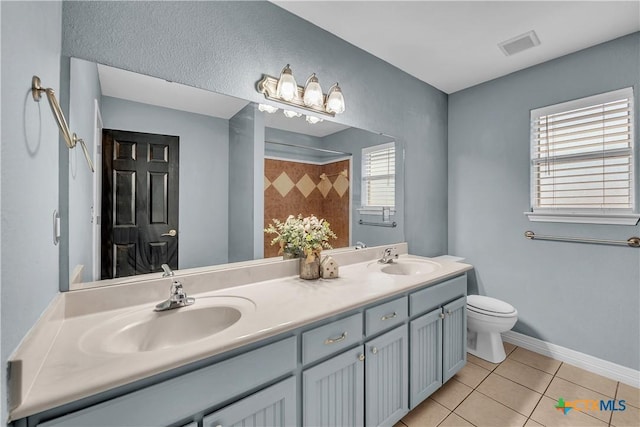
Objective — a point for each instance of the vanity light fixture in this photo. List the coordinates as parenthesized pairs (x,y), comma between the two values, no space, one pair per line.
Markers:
(291,114)
(310,97)
(287,86)
(313,119)
(70,139)
(313,96)
(267,108)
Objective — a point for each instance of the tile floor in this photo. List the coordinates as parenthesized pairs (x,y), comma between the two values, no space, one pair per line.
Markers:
(523,391)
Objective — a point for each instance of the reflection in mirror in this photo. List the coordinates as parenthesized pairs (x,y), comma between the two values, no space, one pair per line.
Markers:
(190,178)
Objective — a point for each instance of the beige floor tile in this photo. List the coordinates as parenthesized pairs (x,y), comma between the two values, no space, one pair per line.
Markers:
(629,417)
(513,395)
(629,394)
(535,360)
(481,410)
(547,414)
(570,391)
(524,375)
(454,420)
(508,347)
(399,424)
(531,423)
(481,362)
(471,375)
(428,413)
(588,379)
(452,394)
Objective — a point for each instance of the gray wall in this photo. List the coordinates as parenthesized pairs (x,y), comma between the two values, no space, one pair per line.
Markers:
(584,297)
(29,164)
(84,91)
(204,173)
(246,183)
(224,47)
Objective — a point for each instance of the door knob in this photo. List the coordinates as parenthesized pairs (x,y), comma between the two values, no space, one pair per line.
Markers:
(171,233)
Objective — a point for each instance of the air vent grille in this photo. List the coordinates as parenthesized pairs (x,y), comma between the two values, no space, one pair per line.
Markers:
(518,44)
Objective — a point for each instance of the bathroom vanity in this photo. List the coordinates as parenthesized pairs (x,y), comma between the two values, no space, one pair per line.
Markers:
(363,349)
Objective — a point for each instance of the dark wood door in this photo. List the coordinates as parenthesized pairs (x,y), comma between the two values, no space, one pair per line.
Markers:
(139,202)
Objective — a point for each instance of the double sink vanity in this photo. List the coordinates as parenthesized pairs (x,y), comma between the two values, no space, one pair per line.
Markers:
(259,346)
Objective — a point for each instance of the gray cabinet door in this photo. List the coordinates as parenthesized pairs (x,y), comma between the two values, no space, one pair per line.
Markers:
(333,391)
(386,378)
(454,353)
(274,406)
(426,356)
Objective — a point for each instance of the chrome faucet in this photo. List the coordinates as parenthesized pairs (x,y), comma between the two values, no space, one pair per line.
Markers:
(177,296)
(168,272)
(360,245)
(388,256)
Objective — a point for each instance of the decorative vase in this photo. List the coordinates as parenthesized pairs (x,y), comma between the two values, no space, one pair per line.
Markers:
(310,270)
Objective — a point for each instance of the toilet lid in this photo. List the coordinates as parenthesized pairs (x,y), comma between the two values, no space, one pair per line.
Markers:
(489,305)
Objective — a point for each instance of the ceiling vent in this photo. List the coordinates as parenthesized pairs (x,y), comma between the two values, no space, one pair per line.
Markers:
(519,43)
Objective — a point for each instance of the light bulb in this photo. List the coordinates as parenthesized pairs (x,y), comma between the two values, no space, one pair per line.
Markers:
(313,96)
(267,108)
(291,114)
(287,88)
(313,120)
(335,100)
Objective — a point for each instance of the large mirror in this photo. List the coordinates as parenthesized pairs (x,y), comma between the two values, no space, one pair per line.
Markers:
(191,178)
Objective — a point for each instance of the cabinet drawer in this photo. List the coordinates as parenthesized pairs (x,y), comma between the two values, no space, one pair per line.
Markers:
(179,398)
(274,406)
(328,339)
(385,315)
(437,295)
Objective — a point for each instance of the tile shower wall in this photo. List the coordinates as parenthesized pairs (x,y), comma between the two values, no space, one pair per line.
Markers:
(292,188)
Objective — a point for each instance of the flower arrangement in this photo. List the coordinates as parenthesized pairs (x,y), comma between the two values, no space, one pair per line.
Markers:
(301,236)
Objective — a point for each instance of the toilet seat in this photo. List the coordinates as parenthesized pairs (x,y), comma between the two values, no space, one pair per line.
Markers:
(490,306)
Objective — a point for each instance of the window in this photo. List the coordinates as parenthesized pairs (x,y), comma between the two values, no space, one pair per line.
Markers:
(582,160)
(379,176)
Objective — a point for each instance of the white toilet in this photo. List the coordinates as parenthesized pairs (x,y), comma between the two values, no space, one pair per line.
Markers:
(486,318)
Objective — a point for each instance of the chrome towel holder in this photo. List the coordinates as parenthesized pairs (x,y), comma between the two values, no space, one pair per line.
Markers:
(632,242)
(70,139)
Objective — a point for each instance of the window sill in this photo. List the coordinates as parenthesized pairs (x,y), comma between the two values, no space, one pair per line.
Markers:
(586,218)
(374,211)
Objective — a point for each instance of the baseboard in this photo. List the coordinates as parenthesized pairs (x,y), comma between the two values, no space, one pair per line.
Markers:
(592,364)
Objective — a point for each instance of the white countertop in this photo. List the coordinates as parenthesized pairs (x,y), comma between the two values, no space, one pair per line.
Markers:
(69,373)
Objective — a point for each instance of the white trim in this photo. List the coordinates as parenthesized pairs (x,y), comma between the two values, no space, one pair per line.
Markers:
(374,210)
(601,98)
(586,218)
(581,360)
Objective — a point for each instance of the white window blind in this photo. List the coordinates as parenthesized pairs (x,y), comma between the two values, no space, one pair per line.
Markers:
(379,175)
(582,155)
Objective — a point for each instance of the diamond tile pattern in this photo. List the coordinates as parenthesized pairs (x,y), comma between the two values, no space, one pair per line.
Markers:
(305,185)
(341,185)
(267,183)
(523,390)
(283,184)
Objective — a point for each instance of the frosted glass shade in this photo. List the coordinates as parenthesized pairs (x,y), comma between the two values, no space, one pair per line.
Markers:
(287,87)
(313,119)
(335,100)
(267,108)
(291,114)
(313,96)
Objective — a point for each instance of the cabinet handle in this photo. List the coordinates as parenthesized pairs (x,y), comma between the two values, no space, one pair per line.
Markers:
(361,357)
(442,315)
(336,340)
(449,312)
(374,350)
(389,316)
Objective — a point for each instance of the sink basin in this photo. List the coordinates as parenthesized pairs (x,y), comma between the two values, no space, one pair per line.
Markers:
(407,267)
(147,330)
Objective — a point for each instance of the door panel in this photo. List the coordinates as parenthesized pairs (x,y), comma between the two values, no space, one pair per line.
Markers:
(426,356)
(139,203)
(386,378)
(454,353)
